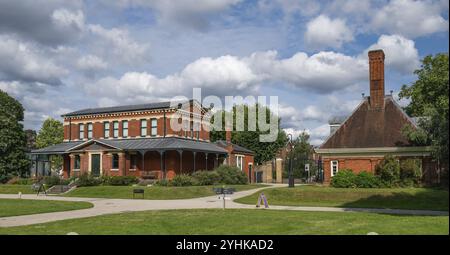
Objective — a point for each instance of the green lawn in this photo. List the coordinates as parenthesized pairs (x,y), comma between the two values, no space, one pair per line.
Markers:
(14,207)
(154,192)
(14,189)
(399,198)
(241,221)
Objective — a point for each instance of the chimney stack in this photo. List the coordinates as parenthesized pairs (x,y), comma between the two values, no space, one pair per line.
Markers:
(376,69)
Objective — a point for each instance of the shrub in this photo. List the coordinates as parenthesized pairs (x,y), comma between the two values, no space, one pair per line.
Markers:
(231,175)
(52,180)
(206,177)
(345,178)
(410,171)
(4,178)
(162,182)
(119,180)
(388,170)
(367,180)
(88,180)
(21,181)
(182,180)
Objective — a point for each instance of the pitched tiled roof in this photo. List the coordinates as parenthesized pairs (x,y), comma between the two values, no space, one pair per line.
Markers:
(124,108)
(236,148)
(166,143)
(368,128)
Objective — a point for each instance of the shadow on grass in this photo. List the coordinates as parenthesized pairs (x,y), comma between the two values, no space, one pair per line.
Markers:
(433,199)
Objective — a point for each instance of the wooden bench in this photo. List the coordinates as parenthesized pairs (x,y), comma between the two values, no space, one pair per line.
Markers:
(150,174)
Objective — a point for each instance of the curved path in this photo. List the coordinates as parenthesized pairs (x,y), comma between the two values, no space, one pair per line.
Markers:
(104,206)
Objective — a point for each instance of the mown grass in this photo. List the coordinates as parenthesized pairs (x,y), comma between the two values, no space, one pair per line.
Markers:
(398,198)
(15,189)
(15,207)
(153,192)
(241,221)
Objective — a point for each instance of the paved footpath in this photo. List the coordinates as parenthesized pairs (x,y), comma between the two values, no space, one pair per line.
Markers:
(104,206)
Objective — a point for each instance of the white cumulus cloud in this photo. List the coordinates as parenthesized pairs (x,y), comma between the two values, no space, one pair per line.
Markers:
(323,32)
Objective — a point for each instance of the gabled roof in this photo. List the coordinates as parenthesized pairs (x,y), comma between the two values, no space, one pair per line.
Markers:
(160,143)
(235,147)
(369,128)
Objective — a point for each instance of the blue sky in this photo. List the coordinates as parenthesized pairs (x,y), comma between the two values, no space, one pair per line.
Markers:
(68,55)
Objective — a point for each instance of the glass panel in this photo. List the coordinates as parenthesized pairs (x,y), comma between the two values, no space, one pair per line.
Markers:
(124,128)
(106,129)
(115,161)
(81,135)
(115,129)
(143,127)
(89,126)
(154,123)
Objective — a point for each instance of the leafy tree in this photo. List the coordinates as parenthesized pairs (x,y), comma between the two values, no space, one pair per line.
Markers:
(300,156)
(388,170)
(264,151)
(13,159)
(51,133)
(31,139)
(429,100)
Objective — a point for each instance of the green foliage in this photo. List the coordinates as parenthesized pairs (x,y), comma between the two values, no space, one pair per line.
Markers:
(410,170)
(13,141)
(85,180)
(347,179)
(367,180)
(344,178)
(388,170)
(51,133)
(300,156)
(429,99)
(264,151)
(162,182)
(21,181)
(231,175)
(182,180)
(206,177)
(119,180)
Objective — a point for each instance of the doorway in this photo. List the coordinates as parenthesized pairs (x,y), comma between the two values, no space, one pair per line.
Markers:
(95,164)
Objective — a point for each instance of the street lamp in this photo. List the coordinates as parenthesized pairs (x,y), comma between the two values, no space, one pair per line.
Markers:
(291,176)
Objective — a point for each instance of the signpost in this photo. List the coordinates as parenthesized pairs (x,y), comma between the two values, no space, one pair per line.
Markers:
(263,198)
(224,191)
(307,171)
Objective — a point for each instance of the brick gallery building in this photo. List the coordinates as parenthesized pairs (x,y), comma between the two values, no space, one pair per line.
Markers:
(372,131)
(138,140)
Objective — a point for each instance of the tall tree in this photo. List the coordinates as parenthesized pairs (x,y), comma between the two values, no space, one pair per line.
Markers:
(51,133)
(429,100)
(31,139)
(13,159)
(264,151)
(300,154)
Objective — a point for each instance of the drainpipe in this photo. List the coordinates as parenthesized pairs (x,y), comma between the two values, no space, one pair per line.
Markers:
(164,123)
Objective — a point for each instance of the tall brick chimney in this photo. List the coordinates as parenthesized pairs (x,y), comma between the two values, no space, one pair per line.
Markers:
(228,136)
(376,70)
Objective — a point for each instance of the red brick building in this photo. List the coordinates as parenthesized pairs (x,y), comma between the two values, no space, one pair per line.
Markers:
(372,131)
(141,140)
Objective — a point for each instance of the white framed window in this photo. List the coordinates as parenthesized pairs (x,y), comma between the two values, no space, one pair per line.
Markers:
(239,162)
(143,128)
(334,167)
(81,129)
(106,129)
(154,126)
(115,129)
(115,162)
(124,128)
(77,163)
(89,128)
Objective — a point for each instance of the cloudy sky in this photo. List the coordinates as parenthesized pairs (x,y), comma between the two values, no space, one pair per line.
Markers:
(58,56)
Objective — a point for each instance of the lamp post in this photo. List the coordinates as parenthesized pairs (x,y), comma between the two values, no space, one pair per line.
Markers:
(291,176)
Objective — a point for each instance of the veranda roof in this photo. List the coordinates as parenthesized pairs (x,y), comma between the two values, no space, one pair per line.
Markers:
(160,143)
